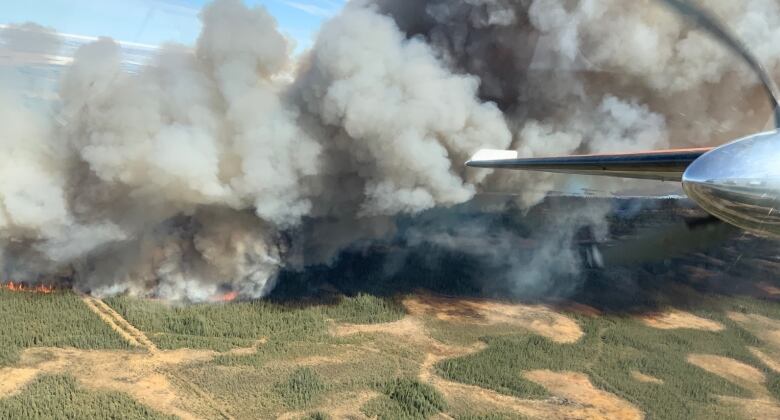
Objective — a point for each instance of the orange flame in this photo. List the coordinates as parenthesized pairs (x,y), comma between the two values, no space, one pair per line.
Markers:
(21,287)
(227,297)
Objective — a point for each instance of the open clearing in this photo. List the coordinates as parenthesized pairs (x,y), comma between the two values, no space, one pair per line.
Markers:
(761,405)
(538,319)
(145,377)
(739,373)
(641,377)
(13,379)
(453,357)
(674,319)
(577,387)
(763,327)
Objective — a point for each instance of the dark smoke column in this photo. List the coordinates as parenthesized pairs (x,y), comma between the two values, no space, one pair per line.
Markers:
(492,39)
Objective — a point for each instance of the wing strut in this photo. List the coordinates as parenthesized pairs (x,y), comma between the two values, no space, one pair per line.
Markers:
(663,165)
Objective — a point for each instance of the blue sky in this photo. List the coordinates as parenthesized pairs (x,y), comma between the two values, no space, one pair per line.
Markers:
(157,21)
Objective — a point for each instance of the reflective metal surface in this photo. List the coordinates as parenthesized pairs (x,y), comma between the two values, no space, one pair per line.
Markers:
(661,165)
(740,183)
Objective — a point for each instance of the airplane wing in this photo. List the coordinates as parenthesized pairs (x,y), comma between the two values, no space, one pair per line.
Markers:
(661,165)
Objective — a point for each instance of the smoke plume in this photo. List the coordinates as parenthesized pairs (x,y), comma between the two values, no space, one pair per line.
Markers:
(211,168)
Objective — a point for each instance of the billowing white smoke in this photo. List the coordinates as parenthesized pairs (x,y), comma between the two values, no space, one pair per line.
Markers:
(207,170)
(404,122)
(177,181)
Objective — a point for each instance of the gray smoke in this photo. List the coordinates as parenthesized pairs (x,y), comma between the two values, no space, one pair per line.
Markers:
(544,262)
(600,75)
(212,168)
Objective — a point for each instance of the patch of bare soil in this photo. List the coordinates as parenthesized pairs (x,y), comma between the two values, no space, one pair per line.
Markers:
(536,318)
(312,361)
(755,408)
(145,377)
(247,351)
(727,368)
(771,361)
(12,380)
(734,371)
(675,319)
(767,329)
(641,377)
(595,403)
(409,327)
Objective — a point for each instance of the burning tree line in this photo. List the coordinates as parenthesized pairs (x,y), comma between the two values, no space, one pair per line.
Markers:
(26,287)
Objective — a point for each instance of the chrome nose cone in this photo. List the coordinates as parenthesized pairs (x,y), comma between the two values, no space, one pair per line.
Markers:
(740,183)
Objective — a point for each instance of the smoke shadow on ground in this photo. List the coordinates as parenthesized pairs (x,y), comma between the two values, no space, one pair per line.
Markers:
(736,264)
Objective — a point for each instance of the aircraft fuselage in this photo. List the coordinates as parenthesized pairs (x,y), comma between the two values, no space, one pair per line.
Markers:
(740,183)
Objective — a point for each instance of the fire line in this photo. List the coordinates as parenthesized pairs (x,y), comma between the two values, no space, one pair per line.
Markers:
(23,287)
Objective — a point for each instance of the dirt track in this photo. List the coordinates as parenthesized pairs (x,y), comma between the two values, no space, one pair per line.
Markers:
(119,324)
